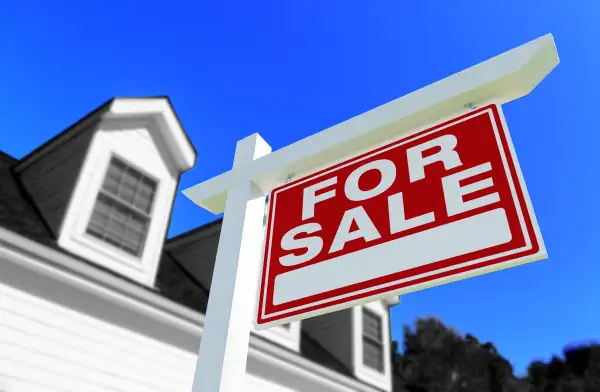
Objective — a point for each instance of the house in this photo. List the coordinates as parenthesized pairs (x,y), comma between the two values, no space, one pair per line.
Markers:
(92,296)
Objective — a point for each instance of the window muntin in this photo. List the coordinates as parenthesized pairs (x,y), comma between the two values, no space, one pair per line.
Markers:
(121,214)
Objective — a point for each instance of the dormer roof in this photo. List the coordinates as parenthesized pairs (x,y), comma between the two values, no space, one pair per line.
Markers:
(158,109)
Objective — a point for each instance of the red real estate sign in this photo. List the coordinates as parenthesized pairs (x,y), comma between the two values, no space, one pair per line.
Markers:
(440,205)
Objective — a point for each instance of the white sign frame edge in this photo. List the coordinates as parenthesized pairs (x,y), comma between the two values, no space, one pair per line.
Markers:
(501,79)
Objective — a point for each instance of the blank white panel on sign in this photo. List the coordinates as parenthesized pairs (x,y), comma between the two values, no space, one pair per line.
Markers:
(435,244)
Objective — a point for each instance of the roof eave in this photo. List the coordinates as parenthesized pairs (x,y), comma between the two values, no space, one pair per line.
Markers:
(181,149)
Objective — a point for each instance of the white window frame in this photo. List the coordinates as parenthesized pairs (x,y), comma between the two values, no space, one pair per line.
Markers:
(146,214)
(128,260)
(108,141)
(379,379)
(366,312)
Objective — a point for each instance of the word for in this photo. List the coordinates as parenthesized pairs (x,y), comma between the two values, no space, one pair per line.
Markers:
(357,217)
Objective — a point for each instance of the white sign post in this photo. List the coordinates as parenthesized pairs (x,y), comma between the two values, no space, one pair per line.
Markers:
(240,193)
(221,364)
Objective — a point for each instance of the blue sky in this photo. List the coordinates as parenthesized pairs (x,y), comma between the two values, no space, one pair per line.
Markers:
(288,69)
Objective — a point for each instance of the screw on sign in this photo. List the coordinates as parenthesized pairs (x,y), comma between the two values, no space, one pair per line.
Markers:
(440,205)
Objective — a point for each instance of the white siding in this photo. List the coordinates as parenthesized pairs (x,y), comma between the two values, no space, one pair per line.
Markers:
(62,350)
(255,384)
(45,347)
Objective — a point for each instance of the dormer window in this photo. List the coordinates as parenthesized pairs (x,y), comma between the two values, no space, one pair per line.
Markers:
(117,213)
(121,214)
(372,340)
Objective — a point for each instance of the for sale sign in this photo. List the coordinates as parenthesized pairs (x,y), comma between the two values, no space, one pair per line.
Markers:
(440,205)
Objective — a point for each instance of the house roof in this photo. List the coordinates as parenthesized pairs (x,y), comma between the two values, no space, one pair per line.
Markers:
(19,214)
(160,108)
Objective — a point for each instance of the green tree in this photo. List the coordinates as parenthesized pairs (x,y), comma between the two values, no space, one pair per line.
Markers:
(579,371)
(437,359)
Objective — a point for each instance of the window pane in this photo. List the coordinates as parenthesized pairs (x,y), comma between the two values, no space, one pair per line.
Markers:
(145,195)
(111,184)
(127,189)
(372,325)
(103,209)
(129,186)
(97,224)
(113,177)
(132,241)
(373,354)
(118,217)
(114,232)
(137,225)
(118,225)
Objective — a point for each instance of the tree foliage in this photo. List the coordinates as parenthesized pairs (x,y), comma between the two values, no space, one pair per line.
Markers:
(438,359)
(579,371)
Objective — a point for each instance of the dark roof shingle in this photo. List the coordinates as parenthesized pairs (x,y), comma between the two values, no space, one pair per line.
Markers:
(17,212)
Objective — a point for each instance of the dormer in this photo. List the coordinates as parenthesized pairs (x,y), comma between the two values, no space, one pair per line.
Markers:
(105,187)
